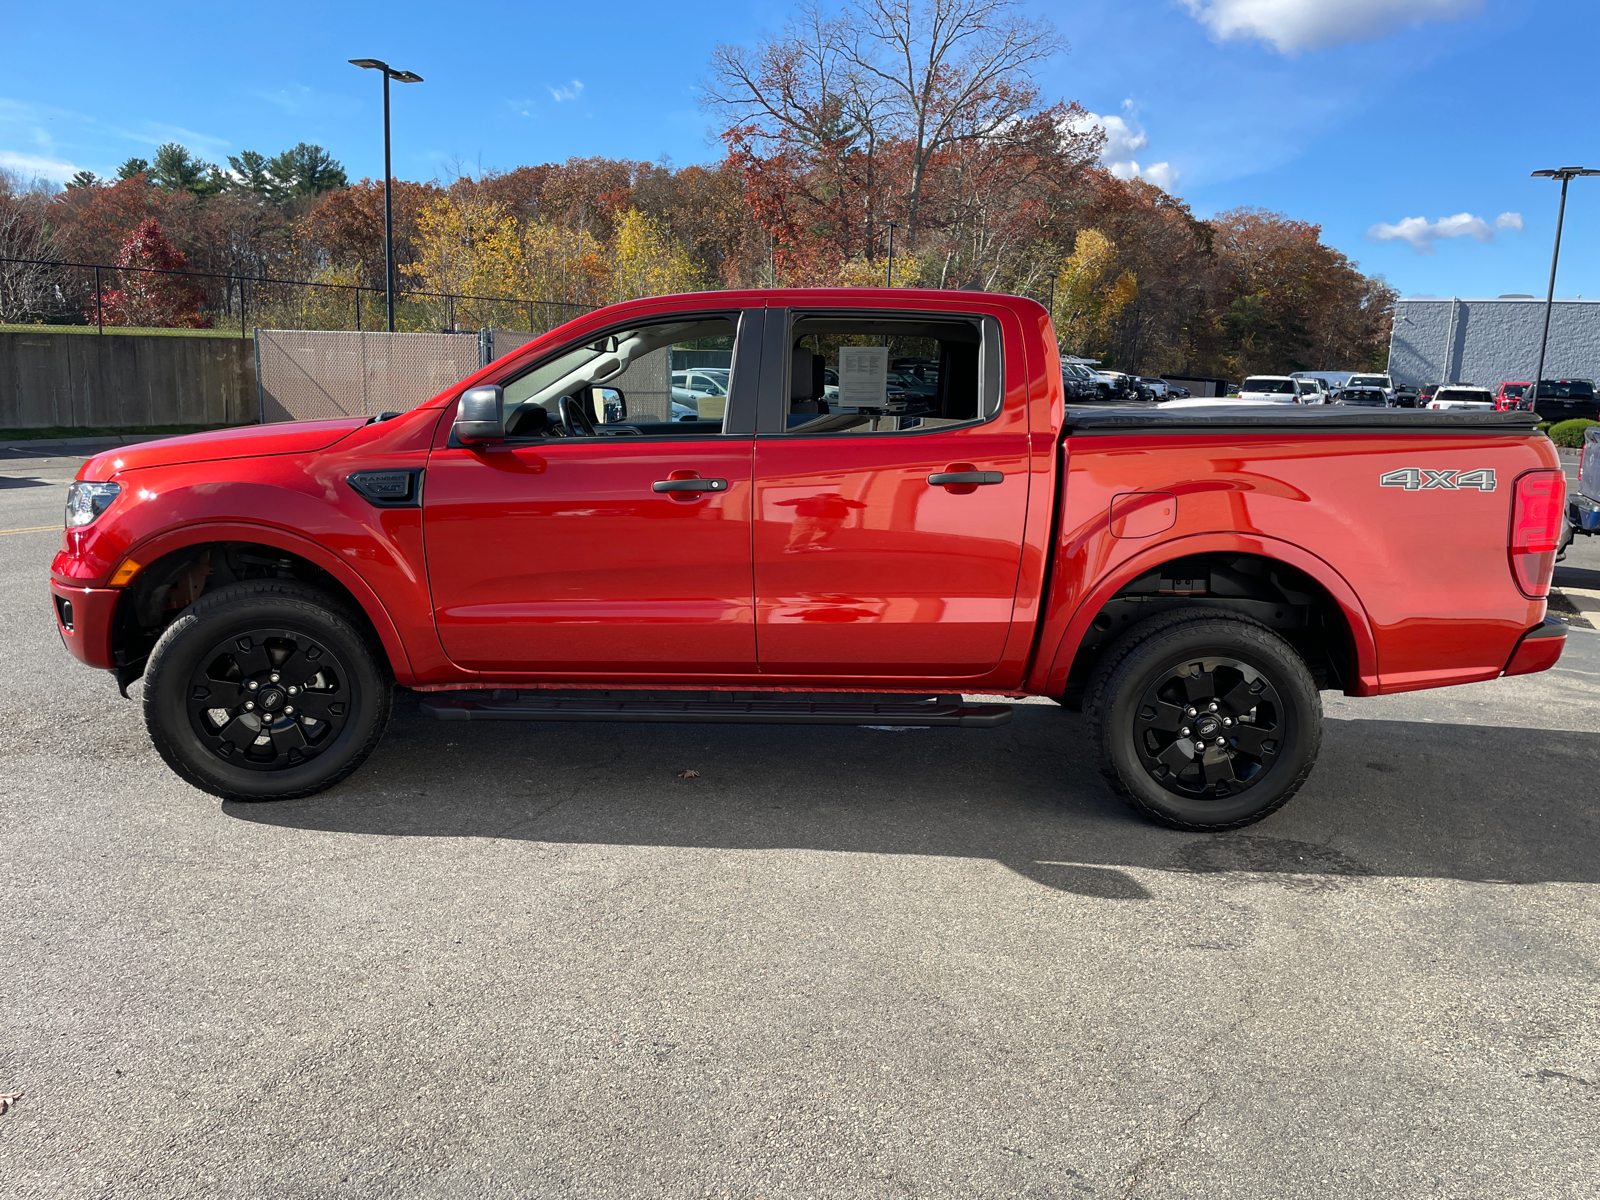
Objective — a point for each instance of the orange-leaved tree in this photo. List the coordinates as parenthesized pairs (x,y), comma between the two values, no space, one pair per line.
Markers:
(145,296)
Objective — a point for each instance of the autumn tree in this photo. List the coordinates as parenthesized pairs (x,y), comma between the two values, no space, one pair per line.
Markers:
(1091,293)
(145,297)
(926,116)
(647,261)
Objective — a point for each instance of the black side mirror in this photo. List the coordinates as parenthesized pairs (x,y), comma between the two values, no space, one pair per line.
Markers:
(480,417)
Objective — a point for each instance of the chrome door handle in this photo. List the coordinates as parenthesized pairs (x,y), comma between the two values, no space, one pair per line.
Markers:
(969,478)
(689,485)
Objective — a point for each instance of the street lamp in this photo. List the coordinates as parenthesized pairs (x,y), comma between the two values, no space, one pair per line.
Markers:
(1566,175)
(373,64)
(892,227)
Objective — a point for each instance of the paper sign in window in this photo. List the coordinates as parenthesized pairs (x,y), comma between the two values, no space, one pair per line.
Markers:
(863,375)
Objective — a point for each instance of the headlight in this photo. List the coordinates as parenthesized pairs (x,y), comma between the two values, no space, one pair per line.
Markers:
(86,501)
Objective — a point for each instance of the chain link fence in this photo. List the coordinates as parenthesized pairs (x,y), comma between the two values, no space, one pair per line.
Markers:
(313,374)
(46,292)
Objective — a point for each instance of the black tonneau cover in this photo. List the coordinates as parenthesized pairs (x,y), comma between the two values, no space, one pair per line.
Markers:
(1294,418)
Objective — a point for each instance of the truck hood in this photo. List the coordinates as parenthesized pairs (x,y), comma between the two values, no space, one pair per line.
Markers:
(249,441)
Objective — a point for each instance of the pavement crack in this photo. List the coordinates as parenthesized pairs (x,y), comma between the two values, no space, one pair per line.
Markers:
(1161,1157)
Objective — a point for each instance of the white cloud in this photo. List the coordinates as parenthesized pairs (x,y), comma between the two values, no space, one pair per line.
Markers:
(33,164)
(1295,25)
(1125,137)
(1422,233)
(570,92)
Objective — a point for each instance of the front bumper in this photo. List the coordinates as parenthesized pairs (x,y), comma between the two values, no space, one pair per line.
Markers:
(83,618)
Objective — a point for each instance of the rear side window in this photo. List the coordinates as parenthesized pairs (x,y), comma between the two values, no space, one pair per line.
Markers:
(877,374)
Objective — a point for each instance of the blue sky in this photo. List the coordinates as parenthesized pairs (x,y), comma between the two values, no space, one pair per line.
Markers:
(1376,119)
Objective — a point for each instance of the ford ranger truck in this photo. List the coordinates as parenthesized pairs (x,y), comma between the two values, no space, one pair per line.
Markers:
(546,541)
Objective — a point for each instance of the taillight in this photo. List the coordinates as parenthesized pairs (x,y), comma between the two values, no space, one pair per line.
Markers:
(1535,529)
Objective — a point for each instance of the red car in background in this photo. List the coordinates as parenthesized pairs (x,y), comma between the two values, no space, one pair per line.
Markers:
(1513,397)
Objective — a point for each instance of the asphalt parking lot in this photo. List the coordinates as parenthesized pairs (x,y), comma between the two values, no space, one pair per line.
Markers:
(530,960)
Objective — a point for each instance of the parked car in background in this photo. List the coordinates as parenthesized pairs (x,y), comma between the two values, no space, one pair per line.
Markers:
(1311,391)
(1081,386)
(1463,396)
(913,385)
(1425,393)
(1565,400)
(1156,387)
(1177,391)
(1120,386)
(1365,397)
(1513,397)
(1382,382)
(1583,505)
(1405,396)
(1279,389)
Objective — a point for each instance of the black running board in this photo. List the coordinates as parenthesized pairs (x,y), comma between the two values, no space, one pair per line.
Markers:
(714,709)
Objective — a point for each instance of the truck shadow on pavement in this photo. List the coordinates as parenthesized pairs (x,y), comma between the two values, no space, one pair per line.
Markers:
(1388,798)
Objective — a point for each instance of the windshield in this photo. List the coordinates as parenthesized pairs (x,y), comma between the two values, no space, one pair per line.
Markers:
(1566,389)
(1376,381)
(1513,389)
(1463,394)
(1276,387)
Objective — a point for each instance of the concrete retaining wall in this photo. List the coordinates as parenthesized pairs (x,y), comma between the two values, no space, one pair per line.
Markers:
(81,380)
(1488,342)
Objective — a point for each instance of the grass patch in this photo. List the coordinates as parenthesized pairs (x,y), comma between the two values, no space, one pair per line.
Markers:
(81,431)
(126,329)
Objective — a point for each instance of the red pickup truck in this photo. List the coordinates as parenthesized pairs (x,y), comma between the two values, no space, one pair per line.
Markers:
(566,536)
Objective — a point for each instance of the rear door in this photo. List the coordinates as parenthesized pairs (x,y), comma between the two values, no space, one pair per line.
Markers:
(888,532)
(565,554)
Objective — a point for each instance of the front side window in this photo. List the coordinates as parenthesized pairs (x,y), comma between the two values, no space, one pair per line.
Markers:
(871,374)
(626,382)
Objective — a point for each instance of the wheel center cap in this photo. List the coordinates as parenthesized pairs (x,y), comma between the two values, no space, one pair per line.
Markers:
(1207,726)
(271,699)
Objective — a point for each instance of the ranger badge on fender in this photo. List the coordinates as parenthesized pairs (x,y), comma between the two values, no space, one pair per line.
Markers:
(1421,479)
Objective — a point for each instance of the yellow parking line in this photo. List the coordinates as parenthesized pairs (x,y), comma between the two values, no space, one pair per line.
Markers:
(32,529)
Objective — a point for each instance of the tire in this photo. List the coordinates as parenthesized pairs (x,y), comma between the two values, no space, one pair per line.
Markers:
(1166,671)
(305,656)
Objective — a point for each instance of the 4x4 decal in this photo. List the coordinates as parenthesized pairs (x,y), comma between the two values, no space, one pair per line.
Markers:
(1421,479)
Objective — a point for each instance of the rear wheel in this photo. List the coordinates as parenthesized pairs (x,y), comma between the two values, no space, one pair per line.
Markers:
(1204,720)
(266,690)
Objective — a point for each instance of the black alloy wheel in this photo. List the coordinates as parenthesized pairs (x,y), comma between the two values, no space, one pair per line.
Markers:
(268,698)
(1203,719)
(267,690)
(1208,727)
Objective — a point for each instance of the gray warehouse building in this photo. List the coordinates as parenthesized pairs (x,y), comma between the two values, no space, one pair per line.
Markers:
(1488,342)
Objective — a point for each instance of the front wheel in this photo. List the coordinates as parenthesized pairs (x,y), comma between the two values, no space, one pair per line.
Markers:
(1204,720)
(266,690)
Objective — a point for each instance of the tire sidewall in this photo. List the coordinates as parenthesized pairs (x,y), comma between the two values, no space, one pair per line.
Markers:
(205,625)
(1259,649)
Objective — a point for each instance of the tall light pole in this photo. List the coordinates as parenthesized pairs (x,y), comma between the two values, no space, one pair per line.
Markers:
(1566,175)
(892,227)
(373,64)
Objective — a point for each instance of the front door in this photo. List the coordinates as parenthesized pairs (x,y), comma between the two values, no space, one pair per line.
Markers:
(890,507)
(569,552)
